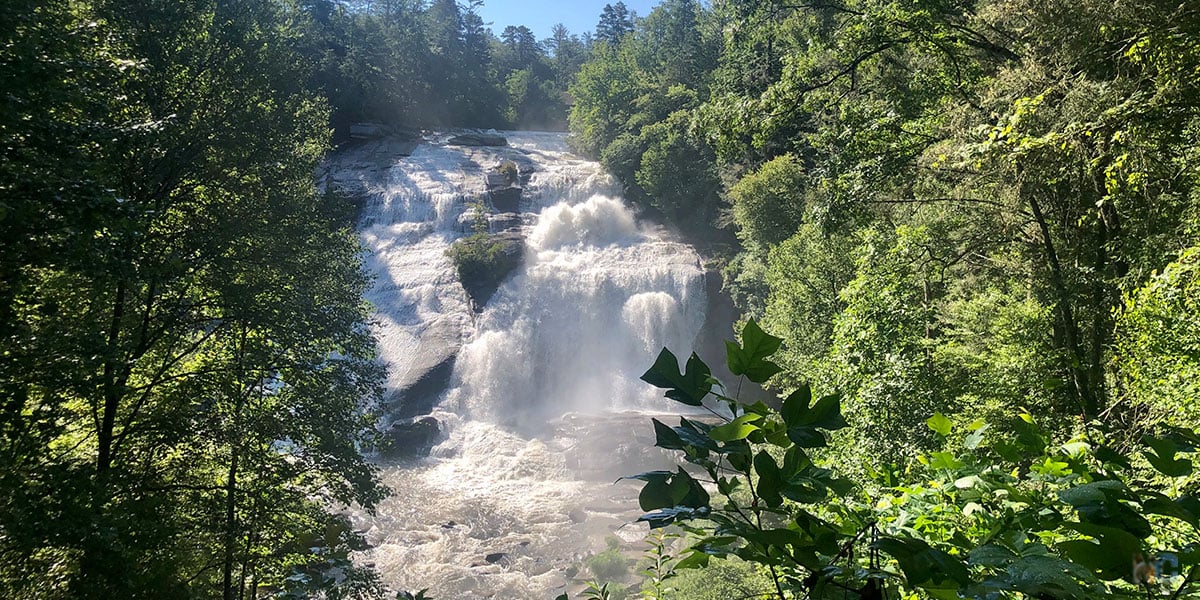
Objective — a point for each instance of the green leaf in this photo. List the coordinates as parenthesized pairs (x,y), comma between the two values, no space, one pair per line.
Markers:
(689,387)
(1109,456)
(649,476)
(944,461)
(1158,504)
(1095,493)
(655,494)
(695,433)
(939,424)
(686,491)
(990,555)
(665,437)
(796,405)
(749,359)
(803,420)
(737,429)
(1110,552)
(974,438)
(923,565)
(1163,457)
(826,414)
(669,515)
(1046,577)
(695,560)
(769,480)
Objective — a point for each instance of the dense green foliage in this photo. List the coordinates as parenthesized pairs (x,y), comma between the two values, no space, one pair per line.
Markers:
(938,206)
(983,210)
(187,371)
(987,515)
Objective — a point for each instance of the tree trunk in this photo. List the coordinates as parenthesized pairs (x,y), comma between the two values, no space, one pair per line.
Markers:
(1080,374)
(112,391)
(230,524)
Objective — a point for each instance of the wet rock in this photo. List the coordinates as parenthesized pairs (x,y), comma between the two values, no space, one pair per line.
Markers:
(506,199)
(367,131)
(412,439)
(427,376)
(478,139)
(505,222)
(419,397)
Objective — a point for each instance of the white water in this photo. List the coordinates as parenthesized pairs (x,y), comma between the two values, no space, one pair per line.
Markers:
(545,408)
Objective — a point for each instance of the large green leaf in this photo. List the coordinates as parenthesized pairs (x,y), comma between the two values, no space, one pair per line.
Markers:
(1045,577)
(1159,504)
(666,437)
(1110,551)
(689,387)
(737,429)
(749,358)
(655,494)
(804,421)
(923,565)
(796,405)
(1163,457)
(769,480)
(939,424)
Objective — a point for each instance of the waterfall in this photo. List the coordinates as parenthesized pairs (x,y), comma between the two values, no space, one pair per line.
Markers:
(543,407)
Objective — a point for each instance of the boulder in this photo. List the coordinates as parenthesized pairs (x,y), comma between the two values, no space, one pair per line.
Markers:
(483,262)
(412,439)
(478,139)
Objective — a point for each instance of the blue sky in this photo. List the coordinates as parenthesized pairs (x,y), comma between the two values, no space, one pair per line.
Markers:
(540,15)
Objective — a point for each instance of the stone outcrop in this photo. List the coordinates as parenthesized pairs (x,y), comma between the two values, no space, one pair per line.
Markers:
(505,222)
(504,186)
(412,439)
(428,375)
(493,257)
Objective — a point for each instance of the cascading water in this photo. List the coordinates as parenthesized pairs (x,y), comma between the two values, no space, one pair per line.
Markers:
(543,408)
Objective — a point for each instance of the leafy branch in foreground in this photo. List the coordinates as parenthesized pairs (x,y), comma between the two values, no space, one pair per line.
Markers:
(989,516)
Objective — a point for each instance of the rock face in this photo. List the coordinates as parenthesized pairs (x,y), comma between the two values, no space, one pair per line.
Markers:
(478,139)
(429,373)
(506,199)
(504,186)
(505,222)
(412,439)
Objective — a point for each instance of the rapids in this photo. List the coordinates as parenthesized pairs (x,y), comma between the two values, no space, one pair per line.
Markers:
(544,409)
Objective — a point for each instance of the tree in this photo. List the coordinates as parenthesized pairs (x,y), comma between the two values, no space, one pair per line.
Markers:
(616,21)
(522,44)
(206,374)
(567,51)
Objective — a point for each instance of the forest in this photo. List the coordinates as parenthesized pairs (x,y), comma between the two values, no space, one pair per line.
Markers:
(963,237)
